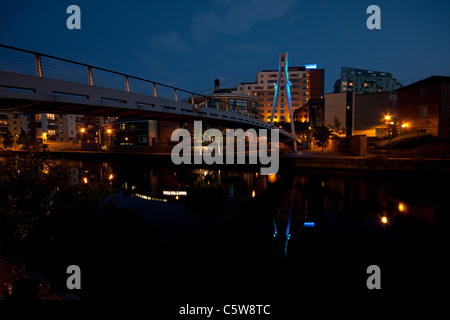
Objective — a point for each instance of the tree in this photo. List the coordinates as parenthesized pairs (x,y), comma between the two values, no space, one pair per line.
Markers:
(38,199)
(8,140)
(337,129)
(23,140)
(321,135)
(391,126)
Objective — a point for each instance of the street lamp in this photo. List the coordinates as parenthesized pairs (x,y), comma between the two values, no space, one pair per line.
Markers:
(109,133)
(83,135)
(388,118)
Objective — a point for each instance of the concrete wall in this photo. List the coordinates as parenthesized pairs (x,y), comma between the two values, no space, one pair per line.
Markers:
(369,111)
(366,115)
(335,106)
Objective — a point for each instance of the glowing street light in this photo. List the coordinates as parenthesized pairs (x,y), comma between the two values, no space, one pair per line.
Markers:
(388,118)
(384,220)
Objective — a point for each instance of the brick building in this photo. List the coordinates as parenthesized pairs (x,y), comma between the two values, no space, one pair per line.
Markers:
(425,106)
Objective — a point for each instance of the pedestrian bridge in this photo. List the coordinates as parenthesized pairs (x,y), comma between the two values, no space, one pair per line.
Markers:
(39,83)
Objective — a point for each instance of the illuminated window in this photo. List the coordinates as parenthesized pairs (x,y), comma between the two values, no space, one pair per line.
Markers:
(38,116)
(51,116)
(51,132)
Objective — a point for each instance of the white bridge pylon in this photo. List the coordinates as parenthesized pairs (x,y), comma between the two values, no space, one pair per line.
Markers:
(283,69)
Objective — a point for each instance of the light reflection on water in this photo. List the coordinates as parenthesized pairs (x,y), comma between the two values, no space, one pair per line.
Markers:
(233,221)
(309,202)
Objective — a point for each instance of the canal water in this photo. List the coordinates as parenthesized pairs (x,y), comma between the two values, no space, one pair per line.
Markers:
(183,235)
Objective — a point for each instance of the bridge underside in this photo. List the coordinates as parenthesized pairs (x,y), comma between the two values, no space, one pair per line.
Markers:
(32,106)
(27,93)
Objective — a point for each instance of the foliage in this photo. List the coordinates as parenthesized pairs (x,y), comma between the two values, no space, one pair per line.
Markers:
(391,126)
(337,129)
(321,135)
(407,141)
(37,197)
(24,141)
(8,140)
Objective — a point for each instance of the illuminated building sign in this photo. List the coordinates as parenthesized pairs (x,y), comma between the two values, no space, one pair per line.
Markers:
(311,66)
(175,193)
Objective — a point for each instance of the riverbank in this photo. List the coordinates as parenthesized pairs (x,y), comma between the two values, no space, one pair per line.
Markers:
(301,159)
(372,163)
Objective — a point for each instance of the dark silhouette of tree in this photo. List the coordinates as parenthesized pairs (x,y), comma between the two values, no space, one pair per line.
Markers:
(337,129)
(8,140)
(321,135)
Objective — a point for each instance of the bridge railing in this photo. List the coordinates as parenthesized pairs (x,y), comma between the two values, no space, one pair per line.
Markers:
(42,65)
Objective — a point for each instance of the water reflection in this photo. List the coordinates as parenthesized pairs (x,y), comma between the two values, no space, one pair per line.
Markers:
(357,206)
(204,191)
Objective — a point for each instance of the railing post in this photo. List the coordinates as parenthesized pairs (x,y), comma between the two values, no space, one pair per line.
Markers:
(37,58)
(192,98)
(206,103)
(127,84)
(91,82)
(154,90)
(175,93)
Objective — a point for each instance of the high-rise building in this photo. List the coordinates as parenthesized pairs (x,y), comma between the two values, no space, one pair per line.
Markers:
(307,82)
(365,81)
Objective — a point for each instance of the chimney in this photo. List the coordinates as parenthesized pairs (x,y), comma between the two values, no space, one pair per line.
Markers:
(216,85)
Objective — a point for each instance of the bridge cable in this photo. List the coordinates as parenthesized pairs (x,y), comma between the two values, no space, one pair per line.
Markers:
(252,72)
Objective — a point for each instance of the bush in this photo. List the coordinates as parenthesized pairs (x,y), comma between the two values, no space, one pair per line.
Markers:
(407,141)
(37,198)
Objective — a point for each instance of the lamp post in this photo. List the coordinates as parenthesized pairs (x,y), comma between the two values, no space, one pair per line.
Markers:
(109,132)
(388,119)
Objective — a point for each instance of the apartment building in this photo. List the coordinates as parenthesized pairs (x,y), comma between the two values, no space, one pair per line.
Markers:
(363,81)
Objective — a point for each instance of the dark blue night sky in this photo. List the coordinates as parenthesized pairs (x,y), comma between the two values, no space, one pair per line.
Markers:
(190,43)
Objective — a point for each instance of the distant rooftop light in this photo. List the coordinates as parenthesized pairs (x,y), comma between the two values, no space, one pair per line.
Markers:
(311,66)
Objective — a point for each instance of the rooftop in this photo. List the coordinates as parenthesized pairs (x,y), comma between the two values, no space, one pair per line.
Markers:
(428,80)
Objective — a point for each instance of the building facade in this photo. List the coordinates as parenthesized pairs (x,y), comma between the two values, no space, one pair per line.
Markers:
(360,114)
(12,123)
(425,106)
(53,127)
(363,81)
(231,101)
